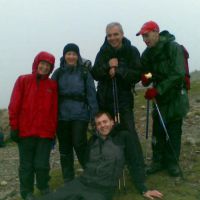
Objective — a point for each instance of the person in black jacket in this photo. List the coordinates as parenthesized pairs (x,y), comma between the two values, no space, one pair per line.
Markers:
(105,156)
(118,61)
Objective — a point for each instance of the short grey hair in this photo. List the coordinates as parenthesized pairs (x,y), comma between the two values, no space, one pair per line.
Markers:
(112,24)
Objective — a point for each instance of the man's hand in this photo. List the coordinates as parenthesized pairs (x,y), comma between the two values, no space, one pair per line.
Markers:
(151,194)
(112,72)
(113,63)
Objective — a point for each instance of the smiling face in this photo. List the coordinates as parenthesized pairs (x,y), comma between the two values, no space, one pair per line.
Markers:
(114,36)
(43,68)
(104,125)
(71,58)
(151,38)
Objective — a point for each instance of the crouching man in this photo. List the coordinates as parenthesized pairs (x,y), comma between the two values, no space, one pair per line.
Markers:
(105,154)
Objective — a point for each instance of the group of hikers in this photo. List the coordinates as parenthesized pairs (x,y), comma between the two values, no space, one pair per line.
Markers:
(41,109)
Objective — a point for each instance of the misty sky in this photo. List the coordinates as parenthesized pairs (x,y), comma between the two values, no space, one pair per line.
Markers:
(30,26)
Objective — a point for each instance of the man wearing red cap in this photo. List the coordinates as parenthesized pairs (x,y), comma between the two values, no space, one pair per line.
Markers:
(164,59)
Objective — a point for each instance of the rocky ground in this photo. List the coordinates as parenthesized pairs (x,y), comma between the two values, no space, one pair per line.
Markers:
(9,182)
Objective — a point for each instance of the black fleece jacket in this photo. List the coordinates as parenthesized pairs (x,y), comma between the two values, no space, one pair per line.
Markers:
(128,73)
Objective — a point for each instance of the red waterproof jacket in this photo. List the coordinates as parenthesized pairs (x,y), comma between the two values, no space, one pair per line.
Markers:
(33,104)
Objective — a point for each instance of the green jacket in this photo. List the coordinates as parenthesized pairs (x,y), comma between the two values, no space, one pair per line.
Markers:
(166,63)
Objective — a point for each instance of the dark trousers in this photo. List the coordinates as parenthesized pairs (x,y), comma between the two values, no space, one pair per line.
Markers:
(166,151)
(71,134)
(75,190)
(1,139)
(34,156)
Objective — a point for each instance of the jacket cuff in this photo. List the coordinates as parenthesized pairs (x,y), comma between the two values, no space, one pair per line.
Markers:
(143,189)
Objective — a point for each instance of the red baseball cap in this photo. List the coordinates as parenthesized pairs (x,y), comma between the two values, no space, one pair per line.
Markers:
(147,27)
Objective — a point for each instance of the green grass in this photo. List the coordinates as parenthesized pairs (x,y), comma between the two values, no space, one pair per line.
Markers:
(195,88)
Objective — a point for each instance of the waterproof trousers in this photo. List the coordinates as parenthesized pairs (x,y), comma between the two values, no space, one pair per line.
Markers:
(76,190)
(1,139)
(34,156)
(165,151)
(71,135)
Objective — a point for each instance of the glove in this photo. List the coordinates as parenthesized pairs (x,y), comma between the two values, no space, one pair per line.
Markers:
(14,134)
(151,93)
(146,79)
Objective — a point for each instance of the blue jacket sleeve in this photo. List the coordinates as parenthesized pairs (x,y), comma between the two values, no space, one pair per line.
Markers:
(91,96)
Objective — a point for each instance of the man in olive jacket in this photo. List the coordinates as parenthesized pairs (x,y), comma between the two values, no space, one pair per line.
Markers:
(164,59)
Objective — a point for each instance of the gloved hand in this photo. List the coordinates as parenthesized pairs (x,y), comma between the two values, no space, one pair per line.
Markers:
(151,93)
(14,134)
(146,79)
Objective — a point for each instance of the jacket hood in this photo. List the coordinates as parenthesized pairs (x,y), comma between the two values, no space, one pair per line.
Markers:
(43,56)
(165,36)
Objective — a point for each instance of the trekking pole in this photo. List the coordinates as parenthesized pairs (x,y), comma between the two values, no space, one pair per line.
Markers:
(117,101)
(117,121)
(114,100)
(168,138)
(147,128)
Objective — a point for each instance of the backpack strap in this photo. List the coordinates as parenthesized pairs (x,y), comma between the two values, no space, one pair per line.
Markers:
(86,67)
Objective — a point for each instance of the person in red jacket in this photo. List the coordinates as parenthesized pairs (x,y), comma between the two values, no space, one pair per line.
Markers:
(33,122)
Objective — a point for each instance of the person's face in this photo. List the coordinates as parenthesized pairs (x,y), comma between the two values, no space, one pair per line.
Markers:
(43,68)
(71,58)
(114,37)
(104,125)
(151,38)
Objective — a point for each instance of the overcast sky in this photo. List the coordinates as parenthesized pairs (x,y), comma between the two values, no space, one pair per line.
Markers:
(29,26)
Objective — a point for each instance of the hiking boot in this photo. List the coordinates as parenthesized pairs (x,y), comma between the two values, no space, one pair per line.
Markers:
(29,196)
(153,168)
(174,171)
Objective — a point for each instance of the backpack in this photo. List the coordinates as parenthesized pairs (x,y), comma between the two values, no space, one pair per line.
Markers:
(86,68)
(187,73)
